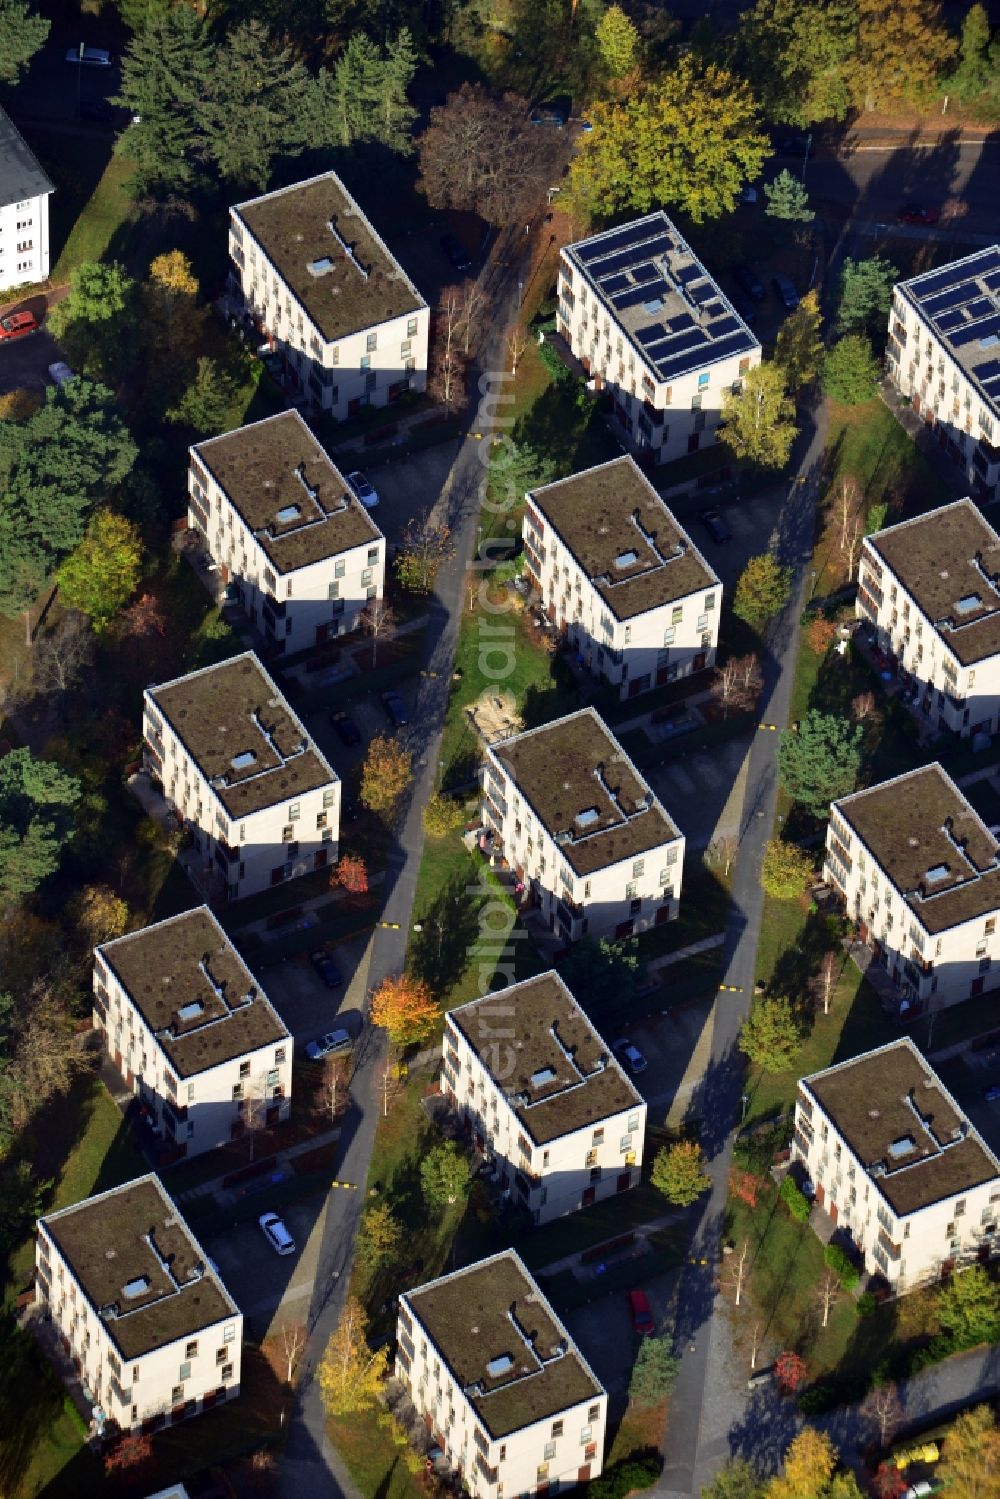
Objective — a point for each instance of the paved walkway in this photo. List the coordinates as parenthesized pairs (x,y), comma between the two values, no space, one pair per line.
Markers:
(226,1196)
(705,945)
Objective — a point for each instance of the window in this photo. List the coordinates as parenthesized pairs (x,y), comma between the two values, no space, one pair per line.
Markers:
(631,890)
(329,797)
(372,556)
(557,1429)
(339,568)
(333,590)
(677,614)
(550,1451)
(366,363)
(229,1333)
(244,1069)
(227,1371)
(366,577)
(371,342)
(177,1395)
(960,1208)
(221,1355)
(702,382)
(294,811)
(599,1138)
(185,1371)
(411,327)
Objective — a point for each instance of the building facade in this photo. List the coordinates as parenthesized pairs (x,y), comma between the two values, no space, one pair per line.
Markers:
(286,531)
(544,1097)
(619,576)
(943,355)
(929,587)
(24,211)
(153,1333)
(192,1033)
(897,1165)
(653,329)
(260,802)
(919,872)
(500,1384)
(330,298)
(567,810)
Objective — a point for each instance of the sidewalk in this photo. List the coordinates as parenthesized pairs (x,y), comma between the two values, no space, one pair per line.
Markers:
(705,945)
(226,1196)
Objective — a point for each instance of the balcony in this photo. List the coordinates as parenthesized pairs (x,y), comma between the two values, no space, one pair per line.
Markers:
(889,1249)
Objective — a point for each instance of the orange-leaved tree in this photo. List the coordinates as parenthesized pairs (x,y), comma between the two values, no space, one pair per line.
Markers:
(405,1007)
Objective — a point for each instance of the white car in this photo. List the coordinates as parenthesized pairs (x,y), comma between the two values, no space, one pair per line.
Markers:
(364,489)
(331,1042)
(630,1055)
(276,1233)
(60,373)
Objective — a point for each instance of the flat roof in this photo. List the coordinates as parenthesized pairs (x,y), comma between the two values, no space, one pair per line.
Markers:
(961,302)
(904,1126)
(624,537)
(194,991)
(658,292)
(494,1311)
(233,711)
(558,1074)
(134,1236)
(949,563)
(20,175)
(287,491)
(574,767)
(343,292)
(932,844)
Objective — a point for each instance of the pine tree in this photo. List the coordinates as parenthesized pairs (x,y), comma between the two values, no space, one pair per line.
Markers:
(820,761)
(259,105)
(617,42)
(392,124)
(787,199)
(37,799)
(165,80)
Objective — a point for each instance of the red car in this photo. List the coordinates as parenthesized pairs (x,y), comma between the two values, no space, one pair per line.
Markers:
(18,325)
(642,1316)
(915,213)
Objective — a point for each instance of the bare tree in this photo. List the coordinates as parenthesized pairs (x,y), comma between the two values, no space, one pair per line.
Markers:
(826,980)
(62,656)
(292,1339)
(738,682)
(44,1059)
(722,851)
(738,1272)
(425,548)
(254,1108)
(855,536)
(755,1344)
(517,342)
(446,378)
(849,499)
(828,1293)
(863,706)
(378,619)
(333,1087)
(883,1409)
(475,301)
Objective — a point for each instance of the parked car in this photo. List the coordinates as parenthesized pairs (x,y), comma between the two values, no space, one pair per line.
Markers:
(546,116)
(751,283)
(716,526)
(748,194)
(456,252)
(89,57)
(364,489)
(272,363)
(745,309)
(916,213)
(785,287)
(992,1093)
(325,1045)
(97,109)
(642,1317)
(629,1055)
(276,1233)
(18,325)
(791,145)
(345,729)
(395,709)
(60,373)
(326,968)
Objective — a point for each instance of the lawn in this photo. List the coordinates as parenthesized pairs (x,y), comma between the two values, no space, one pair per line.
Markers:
(703,911)
(376,1464)
(868,443)
(99,219)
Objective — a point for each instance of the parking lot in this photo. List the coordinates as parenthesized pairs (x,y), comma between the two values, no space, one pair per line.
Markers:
(969,1083)
(603,1330)
(675,1045)
(406,486)
(24,362)
(702,792)
(258,1276)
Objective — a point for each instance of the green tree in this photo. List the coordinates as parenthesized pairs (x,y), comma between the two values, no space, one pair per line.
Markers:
(393,114)
(759,419)
(259,105)
(380,1237)
(689,142)
(424,550)
(53,470)
(206,403)
(762,590)
(865,294)
(903,48)
(654,1373)
(820,761)
(977,76)
(103,572)
(738,1479)
(970,1464)
(22,1200)
(514,469)
(798,348)
(22,32)
(37,800)
(850,371)
(89,322)
(770,1035)
(606,971)
(786,871)
(138,14)
(350,1375)
(797,55)
(365,96)
(968,1308)
(679,1172)
(444,1175)
(787,199)
(166,70)
(617,42)
(442,815)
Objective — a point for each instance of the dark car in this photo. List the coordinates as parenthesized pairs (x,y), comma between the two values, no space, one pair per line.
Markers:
(785,287)
(992,1093)
(916,213)
(546,116)
(791,145)
(345,728)
(395,709)
(716,526)
(750,282)
(745,309)
(97,109)
(326,968)
(456,252)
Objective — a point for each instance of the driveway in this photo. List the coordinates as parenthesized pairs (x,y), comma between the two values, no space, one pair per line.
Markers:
(603,1329)
(305,1003)
(702,792)
(676,1044)
(407,486)
(262,1280)
(24,362)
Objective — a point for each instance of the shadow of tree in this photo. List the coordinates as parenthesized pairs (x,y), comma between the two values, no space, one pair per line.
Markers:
(449,932)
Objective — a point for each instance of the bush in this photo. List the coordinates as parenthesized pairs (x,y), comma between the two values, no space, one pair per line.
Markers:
(795,1201)
(824,1395)
(626,1476)
(842,1265)
(867,1305)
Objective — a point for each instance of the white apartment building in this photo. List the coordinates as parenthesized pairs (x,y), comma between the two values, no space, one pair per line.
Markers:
(943,355)
(544,1097)
(192,1033)
(332,300)
(897,1165)
(616,572)
(261,803)
(931,588)
(501,1386)
(24,211)
(919,872)
(652,328)
(286,530)
(565,808)
(153,1333)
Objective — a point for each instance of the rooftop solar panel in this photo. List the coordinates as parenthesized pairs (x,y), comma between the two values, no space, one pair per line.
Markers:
(645,272)
(975,331)
(680,322)
(952,296)
(691,338)
(949,320)
(992,281)
(614,283)
(713,308)
(650,335)
(992,387)
(607,244)
(703,292)
(981,307)
(623,260)
(922,289)
(680,363)
(688,273)
(722,326)
(990,371)
(631,298)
